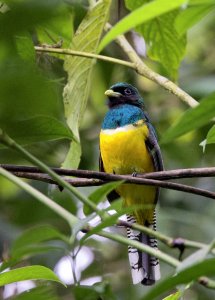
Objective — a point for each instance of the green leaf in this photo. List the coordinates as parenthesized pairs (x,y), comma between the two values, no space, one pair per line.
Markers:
(79,71)
(192,119)
(25,47)
(163,42)
(38,293)
(201,2)
(190,16)
(28,273)
(25,93)
(30,244)
(205,268)
(175,296)
(100,290)
(100,193)
(37,129)
(36,235)
(211,136)
(27,252)
(26,14)
(139,16)
(58,28)
(73,156)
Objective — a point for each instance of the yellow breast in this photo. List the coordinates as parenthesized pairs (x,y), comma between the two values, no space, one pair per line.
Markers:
(123,151)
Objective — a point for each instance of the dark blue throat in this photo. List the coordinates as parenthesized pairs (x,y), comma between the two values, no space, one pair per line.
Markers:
(122,115)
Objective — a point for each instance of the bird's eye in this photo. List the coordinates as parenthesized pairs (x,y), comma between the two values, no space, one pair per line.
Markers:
(127,91)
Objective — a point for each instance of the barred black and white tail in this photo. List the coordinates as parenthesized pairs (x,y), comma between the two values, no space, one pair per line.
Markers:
(145,269)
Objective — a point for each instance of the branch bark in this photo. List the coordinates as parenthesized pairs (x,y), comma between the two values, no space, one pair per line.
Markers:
(98,178)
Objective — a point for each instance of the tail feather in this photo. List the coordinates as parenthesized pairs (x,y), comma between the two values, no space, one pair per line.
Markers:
(145,269)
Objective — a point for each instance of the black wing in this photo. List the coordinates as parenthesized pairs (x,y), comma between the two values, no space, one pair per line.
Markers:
(112,195)
(155,152)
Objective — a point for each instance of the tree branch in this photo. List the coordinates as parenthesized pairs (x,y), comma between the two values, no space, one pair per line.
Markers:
(135,63)
(98,178)
(142,69)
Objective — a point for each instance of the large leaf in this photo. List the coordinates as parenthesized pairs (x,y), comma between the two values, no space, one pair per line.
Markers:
(139,16)
(36,235)
(164,43)
(190,16)
(37,129)
(28,273)
(205,268)
(30,108)
(79,71)
(31,243)
(192,119)
(25,92)
(211,136)
(25,15)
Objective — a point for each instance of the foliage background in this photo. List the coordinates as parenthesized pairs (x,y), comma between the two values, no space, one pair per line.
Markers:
(35,87)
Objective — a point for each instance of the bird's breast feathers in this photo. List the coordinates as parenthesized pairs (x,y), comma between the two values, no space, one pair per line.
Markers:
(123,149)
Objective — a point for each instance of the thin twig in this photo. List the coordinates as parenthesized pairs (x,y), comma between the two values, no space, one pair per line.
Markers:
(85,54)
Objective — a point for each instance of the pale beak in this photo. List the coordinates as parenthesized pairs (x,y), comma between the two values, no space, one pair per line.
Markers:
(111,93)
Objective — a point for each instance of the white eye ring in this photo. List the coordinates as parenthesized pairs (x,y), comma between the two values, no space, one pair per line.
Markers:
(127,91)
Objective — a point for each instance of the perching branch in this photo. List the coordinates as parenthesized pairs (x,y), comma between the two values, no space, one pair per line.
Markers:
(98,178)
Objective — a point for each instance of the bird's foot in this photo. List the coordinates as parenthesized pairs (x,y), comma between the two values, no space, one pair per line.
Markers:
(134,174)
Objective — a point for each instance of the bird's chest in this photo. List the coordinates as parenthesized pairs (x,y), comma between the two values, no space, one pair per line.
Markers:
(123,150)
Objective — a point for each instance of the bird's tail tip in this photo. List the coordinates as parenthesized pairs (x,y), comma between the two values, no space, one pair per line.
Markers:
(145,269)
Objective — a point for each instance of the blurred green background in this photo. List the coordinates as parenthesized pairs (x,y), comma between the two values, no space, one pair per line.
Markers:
(32,84)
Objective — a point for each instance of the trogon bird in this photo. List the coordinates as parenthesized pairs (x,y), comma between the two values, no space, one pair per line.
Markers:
(128,145)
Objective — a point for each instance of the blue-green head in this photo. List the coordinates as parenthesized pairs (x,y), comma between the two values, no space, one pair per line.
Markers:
(124,93)
(126,106)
